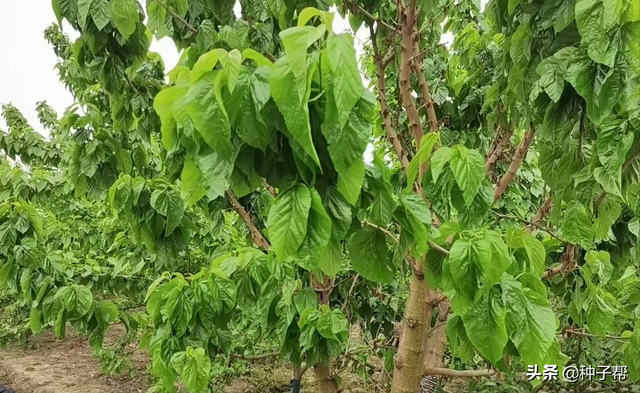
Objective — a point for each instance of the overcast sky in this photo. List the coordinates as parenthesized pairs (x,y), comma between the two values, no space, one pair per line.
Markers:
(27,73)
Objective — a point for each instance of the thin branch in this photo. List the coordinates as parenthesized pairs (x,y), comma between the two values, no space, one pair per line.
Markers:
(424,88)
(542,228)
(521,152)
(130,82)
(180,19)
(574,332)
(253,358)
(351,288)
(382,98)
(357,8)
(386,232)
(395,239)
(459,373)
(438,248)
(567,265)
(257,237)
(406,55)
(542,212)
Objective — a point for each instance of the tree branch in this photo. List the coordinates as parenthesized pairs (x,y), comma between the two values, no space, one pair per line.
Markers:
(395,239)
(459,373)
(542,228)
(568,262)
(358,9)
(257,237)
(610,388)
(180,19)
(424,88)
(542,212)
(521,152)
(496,153)
(253,358)
(382,98)
(406,63)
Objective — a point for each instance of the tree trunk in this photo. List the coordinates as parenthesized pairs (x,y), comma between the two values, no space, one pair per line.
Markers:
(326,384)
(408,363)
(435,347)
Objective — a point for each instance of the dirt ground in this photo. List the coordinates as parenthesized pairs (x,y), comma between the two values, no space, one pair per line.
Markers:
(49,365)
(54,366)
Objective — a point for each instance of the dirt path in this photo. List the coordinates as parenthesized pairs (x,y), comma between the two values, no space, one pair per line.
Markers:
(54,366)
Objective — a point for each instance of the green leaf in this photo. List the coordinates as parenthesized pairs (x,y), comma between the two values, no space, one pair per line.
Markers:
(124,14)
(462,266)
(35,321)
(517,238)
(207,62)
(216,172)
(206,109)
(576,225)
(292,98)
(500,259)
(438,160)
(84,7)
(287,221)
(193,366)
(156,19)
(370,255)
(632,354)
(345,85)
(169,203)
(164,104)
(192,182)
(468,170)
(630,44)
(100,13)
(348,140)
(530,321)
(296,41)
(318,230)
(485,325)
(607,214)
(245,104)
(331,262)
(350,182)
(77,300)
(424,153)
(598,266)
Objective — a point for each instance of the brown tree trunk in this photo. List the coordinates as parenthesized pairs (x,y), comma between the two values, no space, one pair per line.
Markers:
(326,384)
(521,152)
(408,363)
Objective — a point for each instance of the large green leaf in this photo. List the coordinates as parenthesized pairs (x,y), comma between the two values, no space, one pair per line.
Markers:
(517,238)
(193,366)
(576,225)
(250,95)
(345,85)
(292,101)
(100,13)
(206,109)
(318,230)
(485,325)
(530,321)
(370,255)
(288,220)
(350,182)
(215,172)
(124,14)
(424,153)
(169,203)
(468,169)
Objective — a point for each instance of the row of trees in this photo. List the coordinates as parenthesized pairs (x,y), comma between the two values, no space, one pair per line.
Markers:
(495,225)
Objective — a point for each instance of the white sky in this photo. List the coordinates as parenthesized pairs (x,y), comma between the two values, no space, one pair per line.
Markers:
(27,61)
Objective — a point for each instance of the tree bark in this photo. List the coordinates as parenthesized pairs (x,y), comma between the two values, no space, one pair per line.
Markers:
(408,363)
(326,384)
(495,152)
(542,212)
(521,152)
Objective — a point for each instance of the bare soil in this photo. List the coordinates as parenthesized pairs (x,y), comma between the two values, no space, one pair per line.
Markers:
(56,366)
(48,365)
